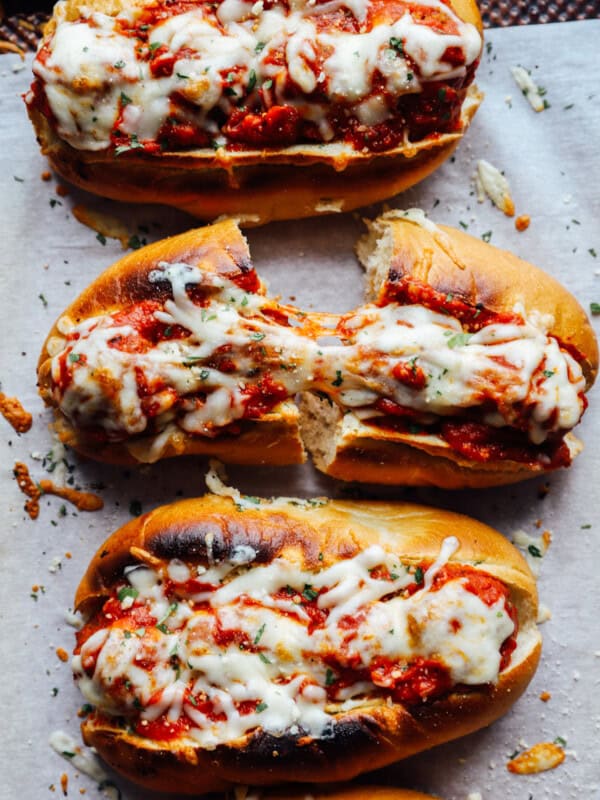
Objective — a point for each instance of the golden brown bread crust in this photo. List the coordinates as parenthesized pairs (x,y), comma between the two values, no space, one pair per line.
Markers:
(363,739)
(453,262)
(344,447)
(257,186)
(351,450)
(220,248)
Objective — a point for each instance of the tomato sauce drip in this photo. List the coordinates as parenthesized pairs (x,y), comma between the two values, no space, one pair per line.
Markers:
(473,317)
(112,612)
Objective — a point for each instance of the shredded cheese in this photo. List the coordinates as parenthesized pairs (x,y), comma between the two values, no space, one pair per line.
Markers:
(528,87)
(237,648)
(97,74)
(491,182)
(515,364)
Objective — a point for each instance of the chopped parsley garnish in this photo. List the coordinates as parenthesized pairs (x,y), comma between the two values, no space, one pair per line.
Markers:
(548,373)
(135,508)
(182,77)
(486,236)
(127,591)
(338,378)
(119,64)
(135,242)
(251,80)
(258,337)
(43,299)
(592,252)
(73,357)
(267,84)
(263,658)
(419,575)
(101,238)
(261,707)
(595,308)
(125,100)
(459,340)
(560,741)
(534,551)
(260,46)
(330,677)
(308,593)
(132,145)
(154,46)
(397,45)
(261,630)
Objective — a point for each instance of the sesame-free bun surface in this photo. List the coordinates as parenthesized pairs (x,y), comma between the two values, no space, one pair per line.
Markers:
(220,248)
(363,739)
(398,247)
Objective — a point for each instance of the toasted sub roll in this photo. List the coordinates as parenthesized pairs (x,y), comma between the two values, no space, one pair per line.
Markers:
(245,641)
(409,260)
(468,368)
(264,112)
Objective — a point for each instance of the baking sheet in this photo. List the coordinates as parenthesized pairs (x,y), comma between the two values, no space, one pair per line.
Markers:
(47,257)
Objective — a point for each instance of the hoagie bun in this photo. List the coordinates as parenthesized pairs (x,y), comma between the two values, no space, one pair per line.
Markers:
(239,641)
(262,111)
(453,376)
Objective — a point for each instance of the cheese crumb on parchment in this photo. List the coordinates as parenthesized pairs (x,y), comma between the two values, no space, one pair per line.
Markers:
(84,760)
(530,90)
(491,182)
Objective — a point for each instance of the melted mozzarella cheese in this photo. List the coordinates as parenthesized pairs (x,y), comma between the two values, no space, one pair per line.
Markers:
(224,54)
(275,662)
(508,365)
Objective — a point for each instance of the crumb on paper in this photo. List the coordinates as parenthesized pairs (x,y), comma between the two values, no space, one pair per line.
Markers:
(539,758)
(46,175)
(62,190)
(533,93)
(14,413)
(62,654)
(29,488)
(73,618)
(522,222)
(83,501)
(491,182)
(64,783)
(544,614)
(474,796)
(545,696)
(104,225)
(534,548)
(55,565)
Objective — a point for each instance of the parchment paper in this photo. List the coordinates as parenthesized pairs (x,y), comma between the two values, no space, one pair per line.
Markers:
(47,257)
